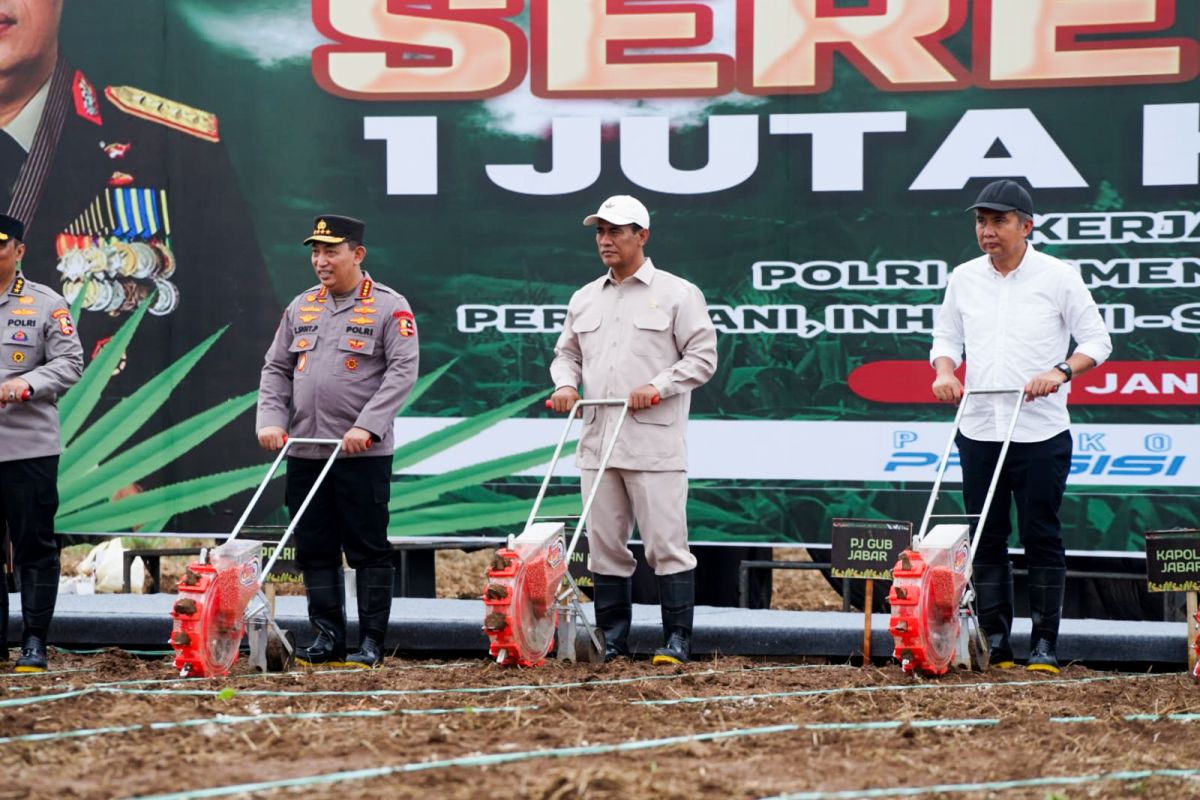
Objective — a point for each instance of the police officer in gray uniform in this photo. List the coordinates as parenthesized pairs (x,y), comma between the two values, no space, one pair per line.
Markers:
(40,358)
(342,364)
(640,334)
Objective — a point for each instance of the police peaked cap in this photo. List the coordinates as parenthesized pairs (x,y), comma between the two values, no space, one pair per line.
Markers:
(335,229)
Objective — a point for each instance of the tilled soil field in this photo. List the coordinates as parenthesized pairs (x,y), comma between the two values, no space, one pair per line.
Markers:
(113,725)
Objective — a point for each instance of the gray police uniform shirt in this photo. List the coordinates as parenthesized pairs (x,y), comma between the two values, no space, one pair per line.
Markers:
(332,369)
(653,328)
(40,345)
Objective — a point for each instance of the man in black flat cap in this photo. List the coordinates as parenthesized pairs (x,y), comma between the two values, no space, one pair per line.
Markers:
(1014,311)
(40,358)
(342,364)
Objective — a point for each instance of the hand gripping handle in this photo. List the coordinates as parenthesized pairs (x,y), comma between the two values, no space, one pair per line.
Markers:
(654,401)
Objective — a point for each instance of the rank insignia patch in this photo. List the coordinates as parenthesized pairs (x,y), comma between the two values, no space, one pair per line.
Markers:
(165,112)
(87,105)
(18,357)
(351,363)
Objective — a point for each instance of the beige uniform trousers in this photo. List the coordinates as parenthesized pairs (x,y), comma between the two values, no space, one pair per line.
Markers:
(657,501)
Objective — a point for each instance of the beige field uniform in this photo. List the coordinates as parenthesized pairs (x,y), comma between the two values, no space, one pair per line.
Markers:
(653,329)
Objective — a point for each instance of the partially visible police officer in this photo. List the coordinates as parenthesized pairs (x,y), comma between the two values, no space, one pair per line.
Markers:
(343,361)
(40,358)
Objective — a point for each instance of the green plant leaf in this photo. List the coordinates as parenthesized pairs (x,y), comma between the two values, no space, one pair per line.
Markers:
(98,483)
(77,306)
(462,517)
(426,490)
(113,429)
(701,511)
(155,526)
(424,383)
(77,403)
(433,443)
(170,500)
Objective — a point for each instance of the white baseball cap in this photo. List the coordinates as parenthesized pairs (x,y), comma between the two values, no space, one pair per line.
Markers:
(621,209)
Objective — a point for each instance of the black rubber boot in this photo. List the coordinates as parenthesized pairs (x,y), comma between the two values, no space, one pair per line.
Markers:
(612,598)
(39,593)
(994,602)
(326,590)
(677,593)
(1047,587)
(374,586)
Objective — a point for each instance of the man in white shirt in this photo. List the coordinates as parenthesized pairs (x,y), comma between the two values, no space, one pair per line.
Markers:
(641,334)
(1014,311)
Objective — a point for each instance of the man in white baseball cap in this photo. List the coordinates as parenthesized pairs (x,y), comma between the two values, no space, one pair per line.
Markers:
(642,334)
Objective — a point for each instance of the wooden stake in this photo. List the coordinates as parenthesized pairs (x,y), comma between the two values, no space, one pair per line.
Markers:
(1191,622)
(867,603)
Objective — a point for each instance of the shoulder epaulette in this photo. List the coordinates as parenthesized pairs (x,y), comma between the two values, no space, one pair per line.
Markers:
(175,115)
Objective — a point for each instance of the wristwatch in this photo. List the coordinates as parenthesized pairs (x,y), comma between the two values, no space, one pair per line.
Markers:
(1065,369)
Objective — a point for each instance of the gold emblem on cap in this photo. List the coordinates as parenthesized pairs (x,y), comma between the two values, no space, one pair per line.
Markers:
(322,228)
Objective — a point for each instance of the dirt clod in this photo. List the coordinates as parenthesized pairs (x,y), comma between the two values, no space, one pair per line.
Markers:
(185,606)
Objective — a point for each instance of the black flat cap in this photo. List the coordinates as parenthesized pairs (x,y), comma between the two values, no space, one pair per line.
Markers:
(1004,195)
(11,228)
(335,229)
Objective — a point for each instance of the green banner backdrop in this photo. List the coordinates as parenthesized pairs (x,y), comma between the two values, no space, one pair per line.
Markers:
(807,163)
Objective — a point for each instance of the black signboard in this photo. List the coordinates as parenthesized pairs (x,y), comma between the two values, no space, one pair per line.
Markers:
(285,569)
(578,566)
(1173,561)
(868,548)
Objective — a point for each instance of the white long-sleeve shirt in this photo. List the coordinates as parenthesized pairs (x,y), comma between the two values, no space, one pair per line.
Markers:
(1014,327)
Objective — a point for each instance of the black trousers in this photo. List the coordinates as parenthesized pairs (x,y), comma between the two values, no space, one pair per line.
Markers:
(28,504)
(348,513)
(1035,476)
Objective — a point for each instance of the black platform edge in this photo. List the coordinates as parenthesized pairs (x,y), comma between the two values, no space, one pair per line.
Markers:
(143,622)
